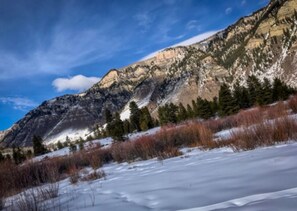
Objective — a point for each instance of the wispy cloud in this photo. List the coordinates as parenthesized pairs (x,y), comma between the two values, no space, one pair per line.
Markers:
(75,39)
(243,2)
(193,24)
(76,83)
(144,20)
(228,10)
(18,103)
(187,42)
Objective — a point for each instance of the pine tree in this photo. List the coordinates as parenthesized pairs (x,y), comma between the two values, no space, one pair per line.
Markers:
(280,91)
(267,92)
(81,145)
(182,113)
(59,145)
(255,90)
(108,116)
(204,108)
(190,112)
(227,103)
(195,109)
(172,113)
(135,115)
(72,148)
(18,155)
(241,96)
(38,146)
(146,121)
(117,128)
(127,127)
(215,106)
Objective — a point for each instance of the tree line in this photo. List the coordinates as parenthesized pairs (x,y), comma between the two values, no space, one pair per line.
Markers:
(140,120)
(229,101)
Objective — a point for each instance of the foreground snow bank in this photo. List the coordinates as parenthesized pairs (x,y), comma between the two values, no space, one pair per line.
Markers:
(262,179)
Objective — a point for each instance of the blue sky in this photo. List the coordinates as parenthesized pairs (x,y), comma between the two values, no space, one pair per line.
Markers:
(53,47)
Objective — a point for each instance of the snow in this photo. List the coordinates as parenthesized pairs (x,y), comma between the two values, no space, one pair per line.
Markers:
(72,134)
(125,114)
(220,179)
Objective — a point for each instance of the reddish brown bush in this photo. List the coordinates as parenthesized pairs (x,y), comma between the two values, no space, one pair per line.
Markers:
(249,117)
(292,103)
(73,174)
(280,109)
(94,175)
(264,134)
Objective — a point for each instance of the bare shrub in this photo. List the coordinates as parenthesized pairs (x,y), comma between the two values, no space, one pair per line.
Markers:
(94,175)
(95,160)
(169,153)
(264,134)
(280,109)
(249,117)
(292,103)
(73,174)
(284,129)
(28,201)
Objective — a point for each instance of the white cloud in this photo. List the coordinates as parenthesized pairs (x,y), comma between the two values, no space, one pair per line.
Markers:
(19,103)
(193,24)
(243,2)
(76,83)
(228,10)
(187,42)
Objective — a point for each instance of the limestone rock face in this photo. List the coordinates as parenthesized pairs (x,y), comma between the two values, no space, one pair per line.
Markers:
(263,44)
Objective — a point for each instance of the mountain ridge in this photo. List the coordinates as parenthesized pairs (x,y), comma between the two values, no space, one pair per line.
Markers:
(263,44)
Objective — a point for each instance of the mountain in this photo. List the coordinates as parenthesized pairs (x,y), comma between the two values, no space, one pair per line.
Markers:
(263,44)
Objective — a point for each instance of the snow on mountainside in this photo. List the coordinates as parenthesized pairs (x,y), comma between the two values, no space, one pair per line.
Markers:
(263,44)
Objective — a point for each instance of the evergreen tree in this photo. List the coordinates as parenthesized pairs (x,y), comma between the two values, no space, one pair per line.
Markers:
(195,109)
(135,115)
(241,96)
(267,92)
(171,110)
(215,105)
(182,113)
(227,103)
(280,91)
(81,145)
(127,127)
(59,145)
(38,146)
(190,112)
(255,90)
(204,109)
(18,155)
(162,115)
(146,121)
(72,148)
(117,128)
(108,116)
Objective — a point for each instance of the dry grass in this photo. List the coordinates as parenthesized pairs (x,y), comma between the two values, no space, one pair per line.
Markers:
(277,110)
(94,176)
(292,103)
(264,134)
(73,174)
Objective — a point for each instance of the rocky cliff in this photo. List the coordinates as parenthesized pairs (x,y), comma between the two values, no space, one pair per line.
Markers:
(263,44)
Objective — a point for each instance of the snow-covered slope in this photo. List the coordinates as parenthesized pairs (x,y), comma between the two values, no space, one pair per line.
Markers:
(262,179)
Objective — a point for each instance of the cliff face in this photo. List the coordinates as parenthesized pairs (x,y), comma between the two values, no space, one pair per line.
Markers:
(263,44)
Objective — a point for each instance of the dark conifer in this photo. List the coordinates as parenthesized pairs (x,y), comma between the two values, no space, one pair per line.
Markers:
(135,115)
(227,103)
(38,146)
